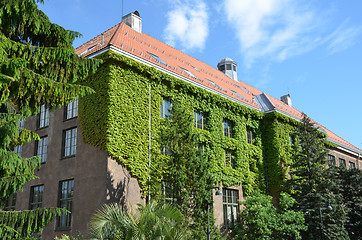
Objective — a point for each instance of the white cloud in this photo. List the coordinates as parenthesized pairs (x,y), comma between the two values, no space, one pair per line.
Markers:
(343,38)
(275,29)
(187,24)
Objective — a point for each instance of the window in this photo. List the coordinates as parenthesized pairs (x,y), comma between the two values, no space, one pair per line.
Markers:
(157,58)
(228,128)
(41,149)
(230,205)
(166,109)
(189,73)
(18,149)
(222,68)
(352,165)
(291,140)
(250,136)
(331,160)
(237,94)
(43,117)
(72,109)
(199,120)
(167,192)
(217,86)
(36,196)
(342,162)
(10,203)
(228,66)
(70,142)
(229,159)
(165,151)
(201,148)
(65,201)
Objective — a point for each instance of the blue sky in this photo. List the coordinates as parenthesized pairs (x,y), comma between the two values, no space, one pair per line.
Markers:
(311,49)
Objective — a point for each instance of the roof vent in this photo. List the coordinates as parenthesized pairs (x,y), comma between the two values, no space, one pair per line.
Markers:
(286,99)
(228,66)
(134,21)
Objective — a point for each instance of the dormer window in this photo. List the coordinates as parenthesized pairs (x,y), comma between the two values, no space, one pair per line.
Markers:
(157,58)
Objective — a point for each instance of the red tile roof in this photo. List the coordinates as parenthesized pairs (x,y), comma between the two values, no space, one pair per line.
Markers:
(156,52)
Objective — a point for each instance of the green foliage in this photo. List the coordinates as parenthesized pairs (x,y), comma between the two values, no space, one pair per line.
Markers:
(260,220)
(349,182)
(116,120)
(314,188)
(277,151)
(153,221)
(22,224)
(38,66)
(188,170)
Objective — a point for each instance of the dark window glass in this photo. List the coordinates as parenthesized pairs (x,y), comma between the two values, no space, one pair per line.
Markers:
(18,149)
(41,149)
(167,192)
(352,165)
(70,142)
(342,162)
(36,196)
(229,159)
(230,205)
(228,128)
(165,151)
(166,109)
(199,120)
(10,203)
(43,116)
(234,67)
(250,136)
(66,189)
(228,66)
(222,68)
(331,160)
(72,109)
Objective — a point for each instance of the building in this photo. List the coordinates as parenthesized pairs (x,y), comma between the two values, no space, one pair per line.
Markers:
(103,155)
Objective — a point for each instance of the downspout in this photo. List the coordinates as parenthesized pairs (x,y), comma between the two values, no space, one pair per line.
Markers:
(149,141)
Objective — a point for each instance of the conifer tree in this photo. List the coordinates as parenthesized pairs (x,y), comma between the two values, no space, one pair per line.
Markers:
(349,181)
(38,65)
(189,172)
(313,189)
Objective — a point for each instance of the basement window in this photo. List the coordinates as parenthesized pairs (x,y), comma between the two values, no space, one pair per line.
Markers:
(157,58)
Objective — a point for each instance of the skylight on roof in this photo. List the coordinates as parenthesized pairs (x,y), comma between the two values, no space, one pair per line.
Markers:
(157,58)
(189,73)
(242,89)
(238,95)
(195,68)
(220,88)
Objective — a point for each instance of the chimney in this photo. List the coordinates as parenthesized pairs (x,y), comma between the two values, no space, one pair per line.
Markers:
(286,99)
(228,67)
(134,21)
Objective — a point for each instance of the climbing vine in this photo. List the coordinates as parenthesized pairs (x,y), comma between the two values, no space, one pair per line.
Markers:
(116,119)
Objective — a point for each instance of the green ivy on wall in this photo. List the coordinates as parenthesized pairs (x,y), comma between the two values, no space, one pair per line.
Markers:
(116,119)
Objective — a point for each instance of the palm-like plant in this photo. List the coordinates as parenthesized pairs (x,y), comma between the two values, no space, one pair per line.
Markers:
(153,221)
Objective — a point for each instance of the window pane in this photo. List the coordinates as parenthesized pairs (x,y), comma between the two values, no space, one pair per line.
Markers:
(72,109)
(66,202)
(43,116)
(36,196)
(230,205)
(70,142)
